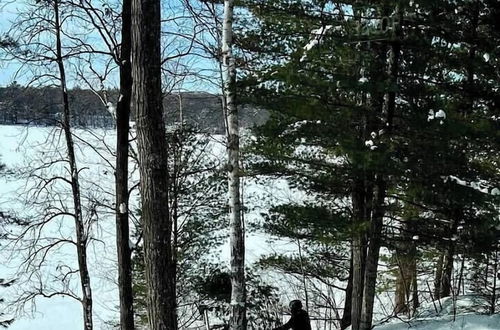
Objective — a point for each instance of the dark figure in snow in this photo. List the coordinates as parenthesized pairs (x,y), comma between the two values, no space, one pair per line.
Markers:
(299,320)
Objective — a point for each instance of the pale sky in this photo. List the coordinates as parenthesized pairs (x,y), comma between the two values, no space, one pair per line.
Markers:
(8,11)
(9,71)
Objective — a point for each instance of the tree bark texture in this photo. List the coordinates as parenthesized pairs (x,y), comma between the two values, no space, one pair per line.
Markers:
(406,278)
(372,255)
(81,235)
(388,108)
(237,237)
(153,165)
(121,183)
(494,288)
(358,252)
(447,272)
(345,322)
(438,276)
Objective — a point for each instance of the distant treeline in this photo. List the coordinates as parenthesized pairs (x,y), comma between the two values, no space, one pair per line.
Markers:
(42,107)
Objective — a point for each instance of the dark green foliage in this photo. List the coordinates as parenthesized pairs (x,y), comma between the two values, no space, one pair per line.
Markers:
(323,93)
(332,125)
(485,277)
(7,42)
(197,201)
(217,285)
(4,323)
(308,222)
(214,288)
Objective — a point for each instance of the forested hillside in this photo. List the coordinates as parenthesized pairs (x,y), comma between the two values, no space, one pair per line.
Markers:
(42,106)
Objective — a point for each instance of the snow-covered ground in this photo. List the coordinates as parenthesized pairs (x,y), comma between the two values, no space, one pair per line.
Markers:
(22,148)
(467,312)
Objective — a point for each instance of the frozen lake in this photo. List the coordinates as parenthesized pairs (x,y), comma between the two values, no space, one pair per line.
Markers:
(25,148)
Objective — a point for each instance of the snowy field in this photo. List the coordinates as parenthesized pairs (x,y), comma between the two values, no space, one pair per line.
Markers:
(465,313)
(22,148)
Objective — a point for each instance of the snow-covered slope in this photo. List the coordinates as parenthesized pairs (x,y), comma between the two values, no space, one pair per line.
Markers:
(467,312)
(25,147)
(461,322)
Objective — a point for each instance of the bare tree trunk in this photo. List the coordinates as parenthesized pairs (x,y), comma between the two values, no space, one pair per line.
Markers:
(406,297)
(358,252)
(237,237)
(346,316)
(372,256)
(438,276)
(81,236)
(121,184)
(406,280)
(449,257)
(153,164)
(304,276)
(447,271)
(494,288)
(415,300)
(461,277)
(388,107)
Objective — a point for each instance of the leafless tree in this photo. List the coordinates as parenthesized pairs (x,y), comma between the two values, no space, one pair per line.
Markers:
(47,43)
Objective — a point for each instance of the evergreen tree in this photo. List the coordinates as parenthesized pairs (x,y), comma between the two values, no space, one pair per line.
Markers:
(352,86)
(196,200)
(485,277)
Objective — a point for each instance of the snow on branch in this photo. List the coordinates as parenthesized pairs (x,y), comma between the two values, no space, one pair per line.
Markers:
(317,36)
(479,186)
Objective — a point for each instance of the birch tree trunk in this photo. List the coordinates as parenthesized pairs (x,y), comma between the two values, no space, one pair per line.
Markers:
(121,183)
(153,165)
(81,235)
(237,239)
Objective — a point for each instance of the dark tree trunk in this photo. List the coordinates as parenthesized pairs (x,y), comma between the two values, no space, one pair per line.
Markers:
(406,281)
(402,287)
(447,272)
(449,256)
(153,164)
(470,86)
(358,252)
(345,322)
(386,105)
(372,256)
(438,276)
(494,289)
(81,236)
(122,145)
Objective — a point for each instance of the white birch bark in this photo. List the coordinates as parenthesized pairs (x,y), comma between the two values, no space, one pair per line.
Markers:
(237,238)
